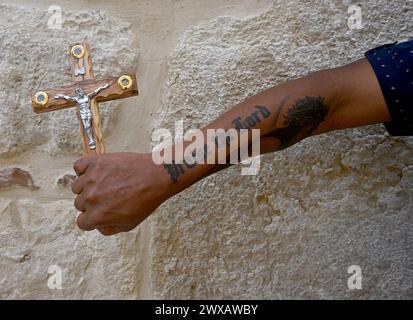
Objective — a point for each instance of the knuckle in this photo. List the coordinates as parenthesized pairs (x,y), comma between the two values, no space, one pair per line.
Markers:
(77,165)
(75,186)
(79,223)
(82,223)
(93,177)
(95,219)
(99,162)
(106,231)
(78,203)
(92,198)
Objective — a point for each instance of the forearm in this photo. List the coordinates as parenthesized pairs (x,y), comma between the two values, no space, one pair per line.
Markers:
(116,192)
(285,114)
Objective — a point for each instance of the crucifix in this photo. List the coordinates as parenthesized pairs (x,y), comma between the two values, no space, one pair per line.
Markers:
(85,94)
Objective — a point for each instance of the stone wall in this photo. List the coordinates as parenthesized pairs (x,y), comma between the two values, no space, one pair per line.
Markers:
(38,219)
(292,231)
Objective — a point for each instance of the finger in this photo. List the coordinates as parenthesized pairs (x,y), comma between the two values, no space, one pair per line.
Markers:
(80,203)
(83,222)
(78,184)
(90,220)
(109,230)
(81,165)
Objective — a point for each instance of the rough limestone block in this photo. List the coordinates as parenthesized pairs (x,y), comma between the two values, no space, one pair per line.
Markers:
(66,180)
(315,209)
(35,235)
(38,229)
(35,57)
(11,177)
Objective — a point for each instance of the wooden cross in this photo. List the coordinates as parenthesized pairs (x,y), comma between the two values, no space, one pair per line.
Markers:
(94,91)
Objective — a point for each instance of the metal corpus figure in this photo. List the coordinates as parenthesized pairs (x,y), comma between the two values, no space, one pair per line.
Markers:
(83,100)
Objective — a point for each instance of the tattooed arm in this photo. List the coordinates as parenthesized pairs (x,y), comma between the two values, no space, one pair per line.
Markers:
(323,101)
(118,191)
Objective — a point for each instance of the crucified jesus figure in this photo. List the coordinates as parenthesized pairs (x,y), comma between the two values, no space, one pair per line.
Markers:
(83,100)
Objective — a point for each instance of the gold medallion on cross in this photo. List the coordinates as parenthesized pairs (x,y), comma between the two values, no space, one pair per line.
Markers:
(85,94)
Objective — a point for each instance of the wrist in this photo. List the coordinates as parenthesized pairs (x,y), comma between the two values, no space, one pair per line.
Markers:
(178,174)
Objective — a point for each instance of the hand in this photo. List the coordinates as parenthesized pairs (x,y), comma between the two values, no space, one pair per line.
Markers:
(118,191)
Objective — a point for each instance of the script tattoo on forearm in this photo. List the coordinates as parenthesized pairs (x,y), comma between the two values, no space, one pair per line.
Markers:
(301,120)
(260,113)
(175,170)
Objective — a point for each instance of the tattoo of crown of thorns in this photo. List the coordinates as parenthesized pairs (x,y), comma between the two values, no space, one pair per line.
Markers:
(301,120)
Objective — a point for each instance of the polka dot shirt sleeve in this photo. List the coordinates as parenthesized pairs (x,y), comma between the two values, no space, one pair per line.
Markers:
(393,65)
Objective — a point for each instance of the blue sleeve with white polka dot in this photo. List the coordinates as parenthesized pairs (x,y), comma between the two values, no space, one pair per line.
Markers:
(393,66)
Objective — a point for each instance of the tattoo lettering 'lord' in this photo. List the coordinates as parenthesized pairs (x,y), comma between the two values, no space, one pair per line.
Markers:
(301,120)
(251,121)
